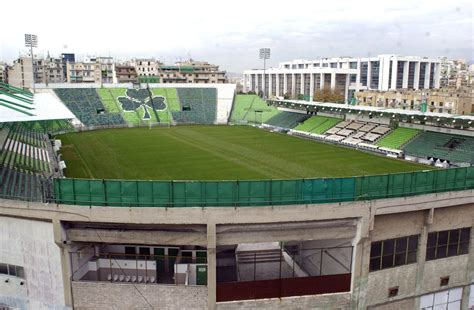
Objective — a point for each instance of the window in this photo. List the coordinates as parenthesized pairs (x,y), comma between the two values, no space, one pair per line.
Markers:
(12,270)
(130,250)
(144,251)
(448,243)
(393,252)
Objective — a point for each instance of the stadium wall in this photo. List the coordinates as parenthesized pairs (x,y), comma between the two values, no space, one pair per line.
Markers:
(29,243)
(374,220)
(364,118)
(452,131)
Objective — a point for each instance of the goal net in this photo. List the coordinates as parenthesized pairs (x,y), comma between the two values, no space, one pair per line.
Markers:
(158,124)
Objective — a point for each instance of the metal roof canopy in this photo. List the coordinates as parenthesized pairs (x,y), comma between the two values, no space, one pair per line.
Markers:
(374,110)
(46,106)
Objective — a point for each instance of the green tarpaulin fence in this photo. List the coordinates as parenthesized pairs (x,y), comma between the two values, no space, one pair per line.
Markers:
(128,193)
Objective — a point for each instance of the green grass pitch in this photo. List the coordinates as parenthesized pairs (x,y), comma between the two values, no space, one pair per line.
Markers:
(213,153)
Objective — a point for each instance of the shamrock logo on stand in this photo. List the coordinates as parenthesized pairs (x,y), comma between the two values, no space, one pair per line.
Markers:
(140,98)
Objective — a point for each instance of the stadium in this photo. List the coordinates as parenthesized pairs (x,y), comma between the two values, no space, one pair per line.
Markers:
(149,196)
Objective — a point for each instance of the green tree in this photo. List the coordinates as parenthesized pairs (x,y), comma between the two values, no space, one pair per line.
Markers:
(328,95)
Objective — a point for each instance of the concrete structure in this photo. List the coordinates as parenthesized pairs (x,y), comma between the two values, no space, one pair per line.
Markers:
(191,71)
(91,70)
(383,72)
(147,69)
(47,70)
(126,74)
(455,73)
(458,101)
(71,233)
(3,72)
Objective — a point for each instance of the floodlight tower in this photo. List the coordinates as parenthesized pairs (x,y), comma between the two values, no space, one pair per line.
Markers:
(264,54)
(31,40)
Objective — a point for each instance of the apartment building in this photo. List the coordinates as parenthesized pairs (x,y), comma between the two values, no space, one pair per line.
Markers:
(91,70)
(450,100)
(46,70)
(191,71)
(126,74)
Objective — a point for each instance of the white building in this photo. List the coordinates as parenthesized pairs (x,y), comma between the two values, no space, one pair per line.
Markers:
(383,72)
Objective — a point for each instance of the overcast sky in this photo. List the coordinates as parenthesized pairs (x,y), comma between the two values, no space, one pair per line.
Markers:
(230,33)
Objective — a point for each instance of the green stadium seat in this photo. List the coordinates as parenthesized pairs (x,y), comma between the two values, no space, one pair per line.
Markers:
(398,138)
(455,148)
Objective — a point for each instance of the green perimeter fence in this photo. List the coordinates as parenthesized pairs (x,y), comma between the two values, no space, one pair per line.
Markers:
(128,193)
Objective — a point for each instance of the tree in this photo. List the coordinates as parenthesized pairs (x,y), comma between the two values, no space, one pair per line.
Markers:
(328,95)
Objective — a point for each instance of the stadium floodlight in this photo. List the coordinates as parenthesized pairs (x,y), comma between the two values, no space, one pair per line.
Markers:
(31,40)
(264,54)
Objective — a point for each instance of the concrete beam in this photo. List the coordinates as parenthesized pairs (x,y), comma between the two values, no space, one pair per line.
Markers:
(231,238)
(151,237)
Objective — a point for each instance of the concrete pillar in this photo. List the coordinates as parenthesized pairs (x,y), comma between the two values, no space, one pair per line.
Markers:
(437,75)
(427,75)
(60,240)
(421,257)
(416,79)
(358,86)
(406,68)
(346,88)
(211,266)
(293,84)
(311,86)
(277,81)
(269,90)
(469,274)
(360,263)
(333,80)
(302,83)
(394,74)
(285,84)
(321,80)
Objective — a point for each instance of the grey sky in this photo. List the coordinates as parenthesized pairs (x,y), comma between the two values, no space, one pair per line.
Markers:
(230,33)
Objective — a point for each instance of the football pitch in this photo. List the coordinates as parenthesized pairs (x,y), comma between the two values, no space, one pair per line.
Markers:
(213,153)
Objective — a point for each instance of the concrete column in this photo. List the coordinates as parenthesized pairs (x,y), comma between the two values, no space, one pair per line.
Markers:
(421,257)
(285,84)
(469,274)
(211,266)
(416,79)
(427,75)
(302,83)
(277,81)
(437,75)
(269,90)
(394,74)
(346,89)
(333,81)
(311,86)
(293,84)
(60,240)
(358,86)
(360,263)
(406,67)
(321,80)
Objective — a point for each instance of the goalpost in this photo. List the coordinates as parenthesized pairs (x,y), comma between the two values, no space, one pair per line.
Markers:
(158,124)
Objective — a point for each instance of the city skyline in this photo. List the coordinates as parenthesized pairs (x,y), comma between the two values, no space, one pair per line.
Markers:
(231,36)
